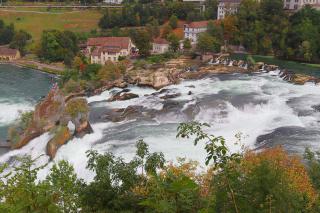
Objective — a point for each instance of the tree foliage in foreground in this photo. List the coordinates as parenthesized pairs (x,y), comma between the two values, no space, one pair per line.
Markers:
(266,181)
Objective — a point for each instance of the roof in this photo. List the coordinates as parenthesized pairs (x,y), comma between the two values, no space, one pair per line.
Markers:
(122,42)
(160,41)
(197,24)
(8,51)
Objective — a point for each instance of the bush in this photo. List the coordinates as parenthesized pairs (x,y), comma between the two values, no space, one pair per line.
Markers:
(77,106)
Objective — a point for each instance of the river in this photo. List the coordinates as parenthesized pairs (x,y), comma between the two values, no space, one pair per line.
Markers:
(265,109)
(20,89)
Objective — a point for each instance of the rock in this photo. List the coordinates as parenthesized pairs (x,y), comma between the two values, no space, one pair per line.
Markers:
(189,93)
(83,129)
(258,66)
(302,79)
(269,68)
(61,137)
(193,75)
(120,83)
(123,97)
(160,80)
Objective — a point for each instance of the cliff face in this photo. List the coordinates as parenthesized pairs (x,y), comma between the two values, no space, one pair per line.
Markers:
(54,114)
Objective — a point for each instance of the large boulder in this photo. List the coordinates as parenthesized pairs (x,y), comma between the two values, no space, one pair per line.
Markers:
(61,136)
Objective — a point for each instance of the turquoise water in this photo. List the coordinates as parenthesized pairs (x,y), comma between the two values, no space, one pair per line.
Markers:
(20,90)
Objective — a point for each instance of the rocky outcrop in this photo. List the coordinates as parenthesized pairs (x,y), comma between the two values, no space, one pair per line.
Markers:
(83,129)
(155,78)
(120,83)
(53,114)
(295,78)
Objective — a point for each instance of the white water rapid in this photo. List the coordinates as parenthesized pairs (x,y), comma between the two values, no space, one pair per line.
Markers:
(265,109)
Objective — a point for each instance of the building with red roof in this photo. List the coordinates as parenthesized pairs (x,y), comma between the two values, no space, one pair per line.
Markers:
(103,49)
(8,54)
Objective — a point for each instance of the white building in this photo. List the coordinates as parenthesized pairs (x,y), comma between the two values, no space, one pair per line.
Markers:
(298,4)
(112,1)
(103,49)
(160,46)
(230,7)
(192,30)
(227,7)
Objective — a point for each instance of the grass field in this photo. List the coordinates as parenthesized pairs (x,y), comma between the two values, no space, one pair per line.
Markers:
(35,20)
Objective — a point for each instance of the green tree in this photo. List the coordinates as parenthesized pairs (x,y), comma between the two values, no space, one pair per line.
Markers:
(173,22)
(174,42)
(208,43)
(142,40)
(21,192)
(20,40)
(186,44)
(64,186)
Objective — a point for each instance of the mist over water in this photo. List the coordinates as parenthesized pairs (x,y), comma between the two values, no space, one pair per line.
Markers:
(265,109)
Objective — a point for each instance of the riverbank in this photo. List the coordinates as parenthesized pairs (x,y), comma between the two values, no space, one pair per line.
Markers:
(293,66)
(36,65)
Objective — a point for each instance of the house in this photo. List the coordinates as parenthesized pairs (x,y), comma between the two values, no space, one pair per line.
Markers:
(103,49)
(192,30)
(227,7)
(9,54)
(112,1)
(160,46)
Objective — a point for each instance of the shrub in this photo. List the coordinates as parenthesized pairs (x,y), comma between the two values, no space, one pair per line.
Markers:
(77,106)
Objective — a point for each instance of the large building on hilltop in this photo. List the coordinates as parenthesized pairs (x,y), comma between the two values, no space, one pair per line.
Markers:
(298,4)
(113,1)
(227,7)
(103,49)
(193,29)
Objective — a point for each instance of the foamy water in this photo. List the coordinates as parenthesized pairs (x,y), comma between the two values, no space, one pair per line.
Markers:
(20,89)
(263,107)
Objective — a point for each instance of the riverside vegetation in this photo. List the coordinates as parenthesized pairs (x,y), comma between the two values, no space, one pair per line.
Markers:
(247,181)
